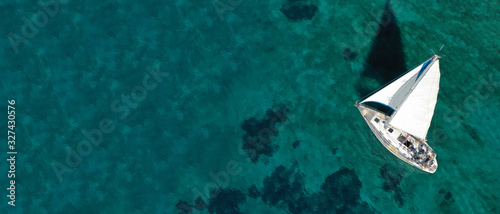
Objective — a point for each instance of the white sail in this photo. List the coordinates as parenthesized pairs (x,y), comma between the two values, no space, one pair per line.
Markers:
(415,113)
(393,94)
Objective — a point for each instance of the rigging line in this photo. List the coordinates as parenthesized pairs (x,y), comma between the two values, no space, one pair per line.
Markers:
(441,48)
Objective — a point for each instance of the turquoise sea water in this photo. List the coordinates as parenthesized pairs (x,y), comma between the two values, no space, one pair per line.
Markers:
(240,106)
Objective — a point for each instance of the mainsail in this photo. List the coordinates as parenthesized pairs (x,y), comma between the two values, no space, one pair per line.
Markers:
(412,97)
(415,114)
(387,94)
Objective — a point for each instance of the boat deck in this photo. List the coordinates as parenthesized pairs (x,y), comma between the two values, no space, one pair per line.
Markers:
(403,145)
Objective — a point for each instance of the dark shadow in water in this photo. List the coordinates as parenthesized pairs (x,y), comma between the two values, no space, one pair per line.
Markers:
(385,60)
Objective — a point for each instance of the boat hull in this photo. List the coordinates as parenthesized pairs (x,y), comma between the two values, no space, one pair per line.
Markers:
(411,150)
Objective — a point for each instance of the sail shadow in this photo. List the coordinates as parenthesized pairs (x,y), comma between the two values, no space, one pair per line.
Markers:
(386,60)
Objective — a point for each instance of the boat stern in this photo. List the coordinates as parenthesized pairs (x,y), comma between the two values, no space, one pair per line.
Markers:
(433,166)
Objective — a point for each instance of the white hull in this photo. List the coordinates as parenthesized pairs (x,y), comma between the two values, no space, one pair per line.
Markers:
(403,145)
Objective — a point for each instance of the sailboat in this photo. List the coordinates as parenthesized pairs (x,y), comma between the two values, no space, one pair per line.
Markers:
(400,114)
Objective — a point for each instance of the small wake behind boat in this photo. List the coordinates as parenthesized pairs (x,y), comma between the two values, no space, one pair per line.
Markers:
(400,114)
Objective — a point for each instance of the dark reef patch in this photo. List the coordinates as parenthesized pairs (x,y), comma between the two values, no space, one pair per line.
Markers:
(342,187)
(200,204)
(253,192)
(349,54)
(221,201)
(259,133)
(448,198)
(385,61)
(298,10)
(226,202)
(296,144)
(285,189)
(184,207)
(334,150)
(361,207)
(340,192)
(392,179)
(285,185)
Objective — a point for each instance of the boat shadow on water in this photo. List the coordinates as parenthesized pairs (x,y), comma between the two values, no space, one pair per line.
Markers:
(385,61)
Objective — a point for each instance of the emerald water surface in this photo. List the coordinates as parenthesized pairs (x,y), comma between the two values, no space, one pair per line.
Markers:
(238,106)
